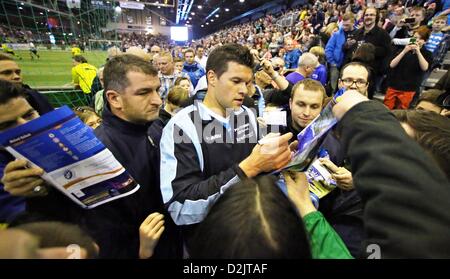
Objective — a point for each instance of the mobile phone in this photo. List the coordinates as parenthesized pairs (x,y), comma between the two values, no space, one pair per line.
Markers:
(412,40)
(410,20)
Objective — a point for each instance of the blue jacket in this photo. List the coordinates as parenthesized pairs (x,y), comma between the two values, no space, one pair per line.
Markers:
(291,58)
(320,74)
(195,72)
(334,48)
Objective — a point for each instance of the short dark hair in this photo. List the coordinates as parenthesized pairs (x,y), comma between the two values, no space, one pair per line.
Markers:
(117,68)
(430,96)
(58,234)
(9,91)
(432,132)
(189,50)
(377,13)
(218,59)
(253,219)
(79,59)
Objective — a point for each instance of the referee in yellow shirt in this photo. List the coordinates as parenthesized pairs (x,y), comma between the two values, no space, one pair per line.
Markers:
(83,74)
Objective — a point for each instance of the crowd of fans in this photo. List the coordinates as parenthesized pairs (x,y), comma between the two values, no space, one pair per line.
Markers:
(205,130)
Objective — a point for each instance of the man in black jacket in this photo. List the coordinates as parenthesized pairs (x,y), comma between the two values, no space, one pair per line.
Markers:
(373,34)
(209,146)
(131,89)
(405,194)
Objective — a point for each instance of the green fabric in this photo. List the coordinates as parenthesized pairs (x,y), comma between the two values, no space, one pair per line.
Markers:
(98,102)
(324,241)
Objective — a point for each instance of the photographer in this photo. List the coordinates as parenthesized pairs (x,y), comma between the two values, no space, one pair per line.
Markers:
(407,70)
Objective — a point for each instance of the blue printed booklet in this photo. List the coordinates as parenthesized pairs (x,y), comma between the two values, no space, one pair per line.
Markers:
(74,160)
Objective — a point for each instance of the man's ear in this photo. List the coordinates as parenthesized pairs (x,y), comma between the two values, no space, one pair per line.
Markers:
(212,78)
(114,99)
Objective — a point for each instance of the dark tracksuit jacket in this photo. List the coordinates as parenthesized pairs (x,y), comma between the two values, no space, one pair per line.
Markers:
(115,225)
(200,153)
(405,194)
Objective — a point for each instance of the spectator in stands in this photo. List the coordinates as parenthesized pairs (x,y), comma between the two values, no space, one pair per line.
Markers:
(431,131)
(327,32)
(178,95)
(406,30)
(191,189)
(83,75)
(167,74)
(277,230)
(371,33)
(192,68)
(292,55)
(320,72)
(140,52)
(355,76)
(184,82)
(10,71)
(334,50)
(307,63)
(407,71)
(436,36)
(428,101)
(274,46)
(155,50)
(178,64)
(200,56)
(88,116)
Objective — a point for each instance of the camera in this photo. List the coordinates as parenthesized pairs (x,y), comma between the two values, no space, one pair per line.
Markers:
(412,40)
(410,20)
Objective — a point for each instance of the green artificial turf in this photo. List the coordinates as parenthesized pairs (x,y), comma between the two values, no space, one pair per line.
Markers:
(53,68)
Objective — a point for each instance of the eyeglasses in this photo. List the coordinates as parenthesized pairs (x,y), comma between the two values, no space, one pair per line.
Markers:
(348,82)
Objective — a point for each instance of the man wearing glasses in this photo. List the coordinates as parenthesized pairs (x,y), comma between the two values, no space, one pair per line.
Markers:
(355,76)
(371,33)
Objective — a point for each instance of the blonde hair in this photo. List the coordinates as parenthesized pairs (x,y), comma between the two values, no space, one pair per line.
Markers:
(330,27)
(139,52)
(166,54)
(319,52)
(177,95)
(311,85)
(113,51)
